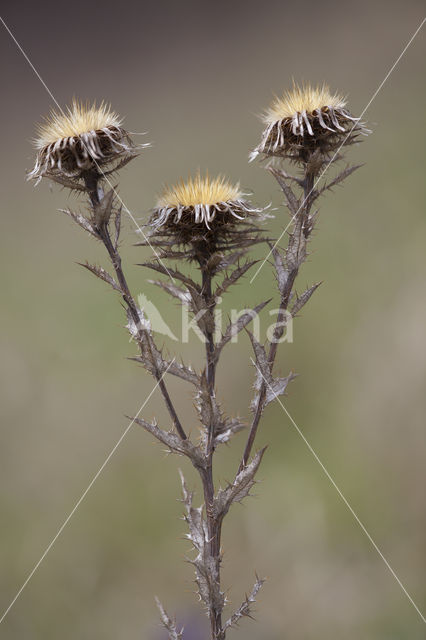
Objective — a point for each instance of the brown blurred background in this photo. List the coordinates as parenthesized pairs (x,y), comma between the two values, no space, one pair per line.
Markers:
(194,75)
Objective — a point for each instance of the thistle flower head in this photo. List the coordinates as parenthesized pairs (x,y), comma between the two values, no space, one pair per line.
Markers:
(203,211)
(304,120)
(79,139)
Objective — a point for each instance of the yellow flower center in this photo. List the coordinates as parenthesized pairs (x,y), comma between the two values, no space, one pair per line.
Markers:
(75,121)
(301,99)
(199,190)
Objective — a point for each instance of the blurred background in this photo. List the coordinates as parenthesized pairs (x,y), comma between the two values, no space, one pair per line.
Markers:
(195,75)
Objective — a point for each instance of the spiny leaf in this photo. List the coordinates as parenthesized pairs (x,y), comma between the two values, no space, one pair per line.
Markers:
(206,568)
(266,386)
(67,182)
(296,249)
(174,368)
(228,260)
(303,299)
(292,202)
(245,609)
(173,442)
(133,154)
(236,274)
(208,408)
(81,221)
(102,274)
(340,178)
(230,427)
(173,273)
(168,623)
(281,271)
(239,489)
(295,179)
(211,415)
(276,387)
(176,292)
(103,209)
(262,361)
(238,325)
(117,225)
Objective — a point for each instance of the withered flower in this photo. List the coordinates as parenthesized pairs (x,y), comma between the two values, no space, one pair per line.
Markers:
(208,214)
(307,119)
(80,139)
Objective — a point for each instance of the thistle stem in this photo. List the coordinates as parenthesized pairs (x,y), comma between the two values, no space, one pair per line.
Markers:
(91,180)
(303,213)
(214,525)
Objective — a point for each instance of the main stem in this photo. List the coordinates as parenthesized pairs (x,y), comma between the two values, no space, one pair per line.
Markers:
(308,183)
(214,525)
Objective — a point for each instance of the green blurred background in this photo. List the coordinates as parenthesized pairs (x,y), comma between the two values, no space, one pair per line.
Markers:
(194,75)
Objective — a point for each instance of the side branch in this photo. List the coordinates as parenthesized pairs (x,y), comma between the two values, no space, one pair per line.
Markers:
(102,210)
(287,270)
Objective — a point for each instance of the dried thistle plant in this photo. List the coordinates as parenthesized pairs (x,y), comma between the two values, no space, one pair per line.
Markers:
(209,223)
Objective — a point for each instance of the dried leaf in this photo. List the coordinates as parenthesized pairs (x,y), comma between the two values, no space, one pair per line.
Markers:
(213,262)
(130,155)
(246,608)
(296,249)
(172,273)
(230,427)
(173,290)
(276,387)
(192,298)
(66,182)
(292,201)
(340,178)
(83,222)
(174,443)
(228,260)
(262,361)
(102,274)
(170,366)
(212,417)
(182,371)
(103,209)
(202,311)
(314,165)
(136,329)
(239,489)
(168,623)
(206,570)
(281,271)
(238,325)
(117,225)
(266,386)
(287,176)
(208,409)
(236,274)
(303,299)
(310,223)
